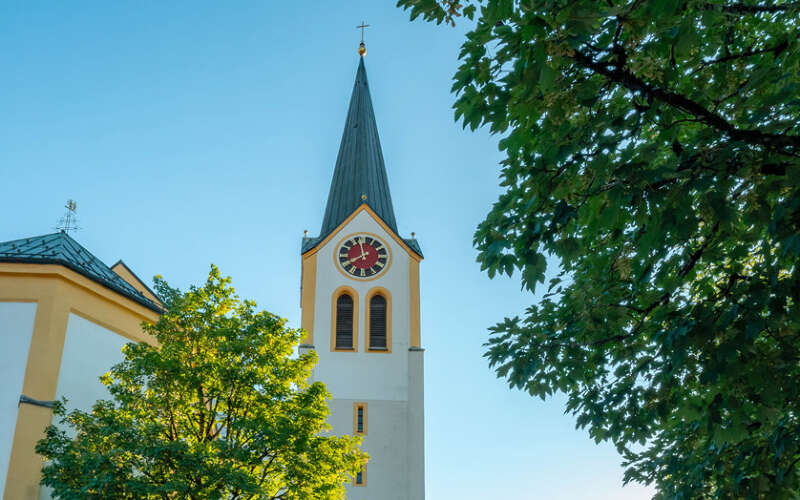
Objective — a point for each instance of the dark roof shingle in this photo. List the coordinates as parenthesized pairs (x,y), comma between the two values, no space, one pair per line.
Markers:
(60,248)
(359,170)
(360,173)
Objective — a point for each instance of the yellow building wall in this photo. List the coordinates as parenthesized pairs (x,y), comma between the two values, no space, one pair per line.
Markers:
(125,273)
(57,291)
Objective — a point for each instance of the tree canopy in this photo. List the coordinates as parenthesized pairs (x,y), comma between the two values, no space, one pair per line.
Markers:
(220,410)
(651,156)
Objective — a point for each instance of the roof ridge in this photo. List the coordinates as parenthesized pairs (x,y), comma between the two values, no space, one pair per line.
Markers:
(69,253)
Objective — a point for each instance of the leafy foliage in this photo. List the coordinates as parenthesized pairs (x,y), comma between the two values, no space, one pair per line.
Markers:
(652,151)
(220,410)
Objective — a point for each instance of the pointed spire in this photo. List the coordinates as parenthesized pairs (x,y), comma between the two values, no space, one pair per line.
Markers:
(360,174)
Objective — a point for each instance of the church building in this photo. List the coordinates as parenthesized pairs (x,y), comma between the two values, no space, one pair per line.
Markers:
(65,316)
(360,300)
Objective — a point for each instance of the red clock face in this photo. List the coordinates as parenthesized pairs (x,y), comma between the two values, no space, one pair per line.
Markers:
(363,256)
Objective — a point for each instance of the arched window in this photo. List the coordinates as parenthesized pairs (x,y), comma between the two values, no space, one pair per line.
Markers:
(379,320)
(344,322)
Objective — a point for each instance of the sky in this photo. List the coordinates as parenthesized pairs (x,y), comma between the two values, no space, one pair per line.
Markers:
(199,132)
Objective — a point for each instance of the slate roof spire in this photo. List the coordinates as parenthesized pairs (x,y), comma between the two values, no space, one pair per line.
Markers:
(360,171)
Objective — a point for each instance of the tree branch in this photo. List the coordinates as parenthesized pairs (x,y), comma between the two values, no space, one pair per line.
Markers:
(740,8)
(695,257)
(622,76)
(627,306)
(749,53)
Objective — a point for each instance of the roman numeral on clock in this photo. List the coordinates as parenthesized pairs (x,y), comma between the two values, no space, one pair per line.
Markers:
(362,256)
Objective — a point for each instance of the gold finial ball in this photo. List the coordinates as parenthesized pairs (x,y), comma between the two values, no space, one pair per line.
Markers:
(362,50)
(363,197)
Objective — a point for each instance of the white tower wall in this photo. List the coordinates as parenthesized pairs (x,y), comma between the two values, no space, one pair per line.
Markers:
(390,383)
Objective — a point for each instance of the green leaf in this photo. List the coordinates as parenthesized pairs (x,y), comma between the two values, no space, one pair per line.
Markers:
(651,152)
(221,407)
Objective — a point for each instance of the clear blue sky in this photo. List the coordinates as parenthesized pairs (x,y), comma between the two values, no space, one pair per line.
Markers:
(192,132)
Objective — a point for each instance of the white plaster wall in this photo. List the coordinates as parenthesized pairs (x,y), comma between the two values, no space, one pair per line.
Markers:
(363,375)
(16,330)
(90,350)
(416,425)
(379,379)
(386,442)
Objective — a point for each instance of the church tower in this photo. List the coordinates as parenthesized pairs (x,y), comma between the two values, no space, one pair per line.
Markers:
(360,301)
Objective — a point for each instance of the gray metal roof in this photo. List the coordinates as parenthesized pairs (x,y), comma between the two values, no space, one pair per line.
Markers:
(59,248)
(413,244)
(360,173)
(360,170)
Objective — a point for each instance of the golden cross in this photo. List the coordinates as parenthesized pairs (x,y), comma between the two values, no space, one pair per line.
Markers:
(362,30)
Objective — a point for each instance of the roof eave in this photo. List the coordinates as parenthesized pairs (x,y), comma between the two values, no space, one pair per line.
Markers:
(111,286)
(309,245)
(123,264)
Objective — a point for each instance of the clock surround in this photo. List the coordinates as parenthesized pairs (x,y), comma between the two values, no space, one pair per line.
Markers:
(362,256)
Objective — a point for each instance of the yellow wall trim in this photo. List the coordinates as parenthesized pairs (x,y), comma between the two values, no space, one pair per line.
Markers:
(379,290)
(354,295)
(363,476)
(365,207)
(57,291)
(308,285)
(124,272)
(413,267)
(31,291)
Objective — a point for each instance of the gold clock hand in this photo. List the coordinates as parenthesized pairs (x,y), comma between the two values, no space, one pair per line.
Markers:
(355,258)
(361,246)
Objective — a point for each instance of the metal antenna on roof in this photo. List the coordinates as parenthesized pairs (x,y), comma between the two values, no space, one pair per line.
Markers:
(69,222)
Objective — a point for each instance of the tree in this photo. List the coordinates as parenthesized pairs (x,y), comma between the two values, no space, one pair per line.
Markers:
(220,410)
(651,153)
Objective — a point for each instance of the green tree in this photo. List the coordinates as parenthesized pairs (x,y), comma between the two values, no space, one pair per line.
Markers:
(221,410)
(651,155)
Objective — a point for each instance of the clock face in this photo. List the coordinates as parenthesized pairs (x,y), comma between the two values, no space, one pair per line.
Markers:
(363,256)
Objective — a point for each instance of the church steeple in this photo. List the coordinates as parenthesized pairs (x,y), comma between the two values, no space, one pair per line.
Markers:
(361,313)
(360,174)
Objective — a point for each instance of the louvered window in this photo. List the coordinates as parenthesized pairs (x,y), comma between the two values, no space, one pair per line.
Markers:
(377,322)
(344,322)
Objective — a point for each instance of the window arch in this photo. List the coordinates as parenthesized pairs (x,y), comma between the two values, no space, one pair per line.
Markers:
(379,320)
(344,320)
